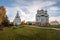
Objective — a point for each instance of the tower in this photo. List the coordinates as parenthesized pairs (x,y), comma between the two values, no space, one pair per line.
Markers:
(17,20)
(42,18)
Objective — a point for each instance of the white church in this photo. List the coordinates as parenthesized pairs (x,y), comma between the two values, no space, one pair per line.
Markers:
(42,18)
(17,20)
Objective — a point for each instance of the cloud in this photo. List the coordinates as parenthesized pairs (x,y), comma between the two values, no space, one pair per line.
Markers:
(28,9)
(53,8)
(40,4)
(11,12)
(53,11)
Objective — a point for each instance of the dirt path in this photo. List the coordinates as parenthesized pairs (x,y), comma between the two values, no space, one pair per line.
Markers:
(46,28)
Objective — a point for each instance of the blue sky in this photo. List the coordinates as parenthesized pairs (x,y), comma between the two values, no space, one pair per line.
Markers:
(27,8)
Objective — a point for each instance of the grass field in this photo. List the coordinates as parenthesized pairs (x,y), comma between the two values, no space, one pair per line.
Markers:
(29,33)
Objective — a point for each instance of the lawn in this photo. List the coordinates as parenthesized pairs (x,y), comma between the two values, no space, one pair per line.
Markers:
(29,33)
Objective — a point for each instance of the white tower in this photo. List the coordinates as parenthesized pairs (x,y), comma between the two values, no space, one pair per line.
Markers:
(42,18)
(17,20)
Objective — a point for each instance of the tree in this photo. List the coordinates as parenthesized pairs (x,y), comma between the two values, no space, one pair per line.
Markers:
(5,22)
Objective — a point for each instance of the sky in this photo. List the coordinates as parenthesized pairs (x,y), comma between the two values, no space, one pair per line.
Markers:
(28,8)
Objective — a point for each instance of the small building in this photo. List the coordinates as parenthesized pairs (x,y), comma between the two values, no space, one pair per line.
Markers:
(42,18)
(54,23)
(17,20)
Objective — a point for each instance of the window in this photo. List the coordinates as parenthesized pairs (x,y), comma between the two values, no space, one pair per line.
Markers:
(42,15)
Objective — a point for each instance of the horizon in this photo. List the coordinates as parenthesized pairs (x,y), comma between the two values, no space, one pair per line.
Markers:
(28,9)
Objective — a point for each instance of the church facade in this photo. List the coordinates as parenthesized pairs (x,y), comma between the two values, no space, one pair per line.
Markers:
(17,20)
(42,18)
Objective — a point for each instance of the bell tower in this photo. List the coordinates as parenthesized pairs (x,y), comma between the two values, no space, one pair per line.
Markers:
(17,20)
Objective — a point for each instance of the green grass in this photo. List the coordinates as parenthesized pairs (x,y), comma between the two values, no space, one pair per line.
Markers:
(29,33)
